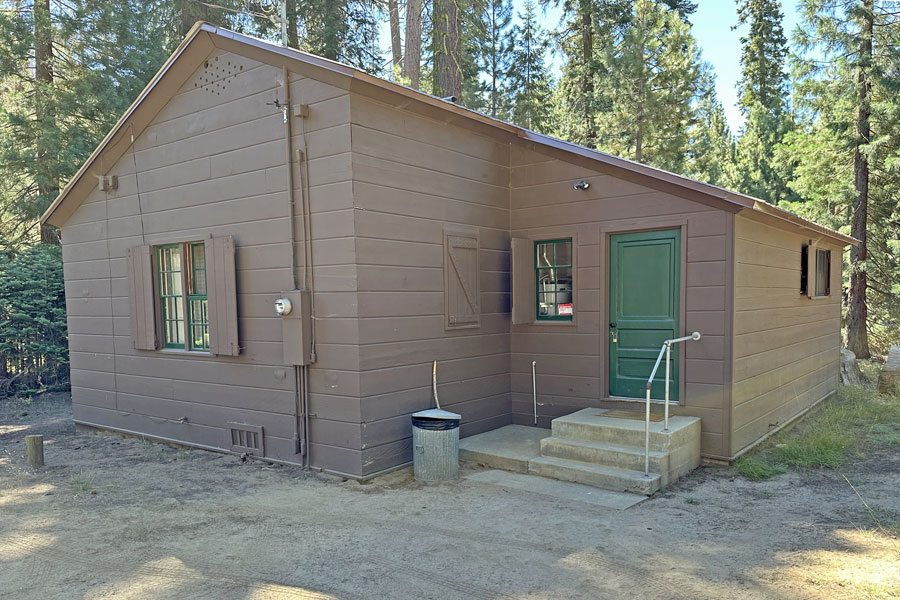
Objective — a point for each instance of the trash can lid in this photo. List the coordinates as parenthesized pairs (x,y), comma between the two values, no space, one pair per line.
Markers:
(437,413)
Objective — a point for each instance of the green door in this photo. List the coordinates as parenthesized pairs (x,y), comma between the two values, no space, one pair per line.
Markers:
(644,298)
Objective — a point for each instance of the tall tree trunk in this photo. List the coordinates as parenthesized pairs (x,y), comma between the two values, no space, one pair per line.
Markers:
(45,113)
(191,12)
(396,50)
(290,9)
(856,337)
(333,21)
(413,43)
(587,77)
(446,41)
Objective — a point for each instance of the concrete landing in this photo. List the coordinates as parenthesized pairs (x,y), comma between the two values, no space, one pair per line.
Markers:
(509,448)
(560,490)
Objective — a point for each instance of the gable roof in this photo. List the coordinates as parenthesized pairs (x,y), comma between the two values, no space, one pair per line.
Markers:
(203,38)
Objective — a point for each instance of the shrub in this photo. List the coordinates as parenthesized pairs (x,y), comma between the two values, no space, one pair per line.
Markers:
(34,353)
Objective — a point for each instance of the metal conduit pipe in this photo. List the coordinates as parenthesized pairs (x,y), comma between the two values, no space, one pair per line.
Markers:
(301,388)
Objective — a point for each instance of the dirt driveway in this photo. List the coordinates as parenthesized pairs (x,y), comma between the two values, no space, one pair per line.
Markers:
(112,517)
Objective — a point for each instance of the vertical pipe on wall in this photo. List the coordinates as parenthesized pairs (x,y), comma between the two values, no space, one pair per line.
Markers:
(301,393)
(534,389)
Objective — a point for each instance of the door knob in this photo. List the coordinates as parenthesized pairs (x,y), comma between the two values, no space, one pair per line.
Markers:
(612,325)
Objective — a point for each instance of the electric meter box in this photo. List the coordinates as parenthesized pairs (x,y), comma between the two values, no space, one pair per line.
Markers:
(296,326)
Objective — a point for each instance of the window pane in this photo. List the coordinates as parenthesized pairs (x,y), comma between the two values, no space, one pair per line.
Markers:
(821,272)
(198,266)
(547,305)
(563,253)
(544,255)
(564,285)
(553,260)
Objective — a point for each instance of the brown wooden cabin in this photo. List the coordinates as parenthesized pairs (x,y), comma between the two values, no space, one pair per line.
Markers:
(394,246)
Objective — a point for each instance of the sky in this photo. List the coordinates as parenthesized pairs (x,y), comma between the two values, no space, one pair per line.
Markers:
(722,47)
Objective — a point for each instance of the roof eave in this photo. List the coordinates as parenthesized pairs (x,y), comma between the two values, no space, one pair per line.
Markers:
(76,179)
(360,81)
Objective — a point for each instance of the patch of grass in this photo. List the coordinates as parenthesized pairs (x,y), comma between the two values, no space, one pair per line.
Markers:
(691,500)
(756,469)
(81,482)
(850,424)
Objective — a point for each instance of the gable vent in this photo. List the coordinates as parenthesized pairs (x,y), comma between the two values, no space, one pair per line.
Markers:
(217,74)
(246,438)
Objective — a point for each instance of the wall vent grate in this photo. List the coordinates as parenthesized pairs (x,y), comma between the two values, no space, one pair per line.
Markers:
(246,438)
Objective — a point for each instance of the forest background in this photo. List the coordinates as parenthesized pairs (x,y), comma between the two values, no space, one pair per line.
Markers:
(819,105)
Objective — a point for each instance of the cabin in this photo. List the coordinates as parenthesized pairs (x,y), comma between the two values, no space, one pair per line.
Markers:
(269,250)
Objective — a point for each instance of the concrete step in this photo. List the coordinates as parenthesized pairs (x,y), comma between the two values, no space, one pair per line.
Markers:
(601,476)
(605,453)
(589,425)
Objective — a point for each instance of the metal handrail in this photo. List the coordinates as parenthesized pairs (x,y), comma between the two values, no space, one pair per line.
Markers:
(667,350)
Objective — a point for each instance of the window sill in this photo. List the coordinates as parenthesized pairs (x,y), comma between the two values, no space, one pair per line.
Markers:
(548,323)
(819,297)
(184,352)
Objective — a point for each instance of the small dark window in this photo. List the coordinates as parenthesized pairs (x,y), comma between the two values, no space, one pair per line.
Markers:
(804,269)
(823,272)
(553,271)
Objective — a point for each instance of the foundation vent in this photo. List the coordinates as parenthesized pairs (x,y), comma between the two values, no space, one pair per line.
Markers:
(246,438)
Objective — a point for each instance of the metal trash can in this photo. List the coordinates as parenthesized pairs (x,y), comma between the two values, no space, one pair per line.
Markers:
(435,445)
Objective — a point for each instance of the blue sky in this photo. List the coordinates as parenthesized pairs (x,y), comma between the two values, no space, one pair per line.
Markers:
(722,47)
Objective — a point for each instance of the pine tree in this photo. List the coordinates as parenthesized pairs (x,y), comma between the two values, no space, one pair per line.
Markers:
(57,109)
(763,53)
(711,149)
(530,82)
(494,55)
(846,159)
(652,77)
(763,101)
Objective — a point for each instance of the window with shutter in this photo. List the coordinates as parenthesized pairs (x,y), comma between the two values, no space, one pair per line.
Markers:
(183,296)
(461,279)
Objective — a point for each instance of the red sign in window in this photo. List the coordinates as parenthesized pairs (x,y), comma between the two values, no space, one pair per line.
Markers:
(565,309)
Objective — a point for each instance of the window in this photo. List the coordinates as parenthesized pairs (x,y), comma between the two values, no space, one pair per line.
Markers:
(821,268)
(804,269)
(182,294)
(823,272)
(553,277)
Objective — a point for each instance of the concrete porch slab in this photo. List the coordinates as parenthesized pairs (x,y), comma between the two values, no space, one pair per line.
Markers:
(508,448)
(557,489)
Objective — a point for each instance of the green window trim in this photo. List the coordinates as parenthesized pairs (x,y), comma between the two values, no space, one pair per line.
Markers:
(552,270)
(181,276)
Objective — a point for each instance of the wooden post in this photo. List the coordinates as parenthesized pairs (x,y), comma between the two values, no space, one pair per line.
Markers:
(34,450)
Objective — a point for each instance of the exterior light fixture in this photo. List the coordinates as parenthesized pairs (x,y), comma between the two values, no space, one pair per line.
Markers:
(582,185)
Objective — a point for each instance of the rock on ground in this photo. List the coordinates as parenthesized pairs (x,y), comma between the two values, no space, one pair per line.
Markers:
(889,380)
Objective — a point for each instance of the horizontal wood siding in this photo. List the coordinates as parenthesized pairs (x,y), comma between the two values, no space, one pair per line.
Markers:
(212,162)
(414,179)
(571,357)
(786,345)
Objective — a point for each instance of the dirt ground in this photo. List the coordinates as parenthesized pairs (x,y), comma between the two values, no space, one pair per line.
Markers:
(114,517)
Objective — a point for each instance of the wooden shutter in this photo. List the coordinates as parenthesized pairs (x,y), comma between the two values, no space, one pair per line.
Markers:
(142,298)
(523,302)
(462,274)
(221,293)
